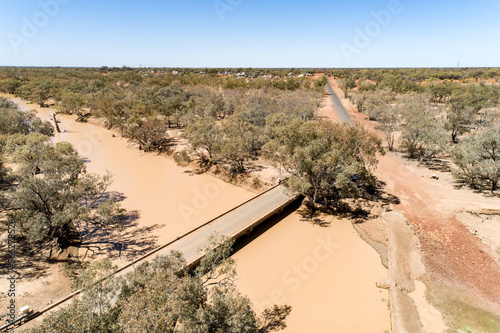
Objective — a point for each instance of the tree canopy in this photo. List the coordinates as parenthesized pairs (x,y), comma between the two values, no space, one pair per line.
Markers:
(478,159)
(54,197)
(163,296)
(327,161)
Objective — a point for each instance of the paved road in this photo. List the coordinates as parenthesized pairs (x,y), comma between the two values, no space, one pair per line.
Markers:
(234,223)
(342,114)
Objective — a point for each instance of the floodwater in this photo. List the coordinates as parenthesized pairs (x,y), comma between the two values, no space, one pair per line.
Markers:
(430,317)
(327,274)
(169,199)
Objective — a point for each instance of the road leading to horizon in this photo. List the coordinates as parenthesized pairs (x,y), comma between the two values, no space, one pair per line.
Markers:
(340,110)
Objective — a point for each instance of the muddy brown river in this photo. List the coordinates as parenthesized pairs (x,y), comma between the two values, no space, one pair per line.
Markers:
(327,274)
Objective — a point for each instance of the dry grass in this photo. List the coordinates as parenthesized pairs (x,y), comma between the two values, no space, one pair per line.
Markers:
(469,318)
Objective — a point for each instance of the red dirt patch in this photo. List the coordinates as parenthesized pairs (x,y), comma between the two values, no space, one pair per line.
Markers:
(451,253)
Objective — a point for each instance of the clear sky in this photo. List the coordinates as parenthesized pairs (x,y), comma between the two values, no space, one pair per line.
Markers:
(250,33)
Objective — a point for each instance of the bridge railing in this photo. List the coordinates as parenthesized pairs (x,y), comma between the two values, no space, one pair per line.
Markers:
(193,261)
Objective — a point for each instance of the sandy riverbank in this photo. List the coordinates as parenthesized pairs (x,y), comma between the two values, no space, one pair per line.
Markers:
(169,201)
(327,274)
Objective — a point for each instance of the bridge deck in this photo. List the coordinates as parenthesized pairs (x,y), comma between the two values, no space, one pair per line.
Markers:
(234,223)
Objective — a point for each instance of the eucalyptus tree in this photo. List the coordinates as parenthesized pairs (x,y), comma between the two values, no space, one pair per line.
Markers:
(323,158)
(54,198)
(478,159)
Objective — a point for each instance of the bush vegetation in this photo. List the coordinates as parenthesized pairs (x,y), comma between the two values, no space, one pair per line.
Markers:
(447,112)
(164,296)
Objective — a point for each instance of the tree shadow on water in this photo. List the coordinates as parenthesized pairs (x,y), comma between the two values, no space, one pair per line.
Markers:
(273,319)
(312,215)
(127,239)
(110,195)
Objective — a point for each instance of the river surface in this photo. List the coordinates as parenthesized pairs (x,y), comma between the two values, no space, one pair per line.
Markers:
(170,200)
(327,274)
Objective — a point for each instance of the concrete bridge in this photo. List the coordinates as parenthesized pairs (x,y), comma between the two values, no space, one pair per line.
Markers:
(234,223)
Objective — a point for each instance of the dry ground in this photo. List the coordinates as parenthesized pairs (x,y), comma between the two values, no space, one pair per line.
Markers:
(461,268)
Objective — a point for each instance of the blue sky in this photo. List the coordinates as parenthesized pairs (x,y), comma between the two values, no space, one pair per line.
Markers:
(246,33)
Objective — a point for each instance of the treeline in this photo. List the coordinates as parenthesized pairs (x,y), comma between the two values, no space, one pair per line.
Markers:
(418,74)
(222,118)
(54,81)
(460,120)
(54,203)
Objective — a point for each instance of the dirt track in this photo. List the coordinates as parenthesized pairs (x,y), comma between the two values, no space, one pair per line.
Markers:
(450,251)
(453,256)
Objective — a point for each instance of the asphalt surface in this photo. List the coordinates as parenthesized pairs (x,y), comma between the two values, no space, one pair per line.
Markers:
(342,114)
(232,224)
